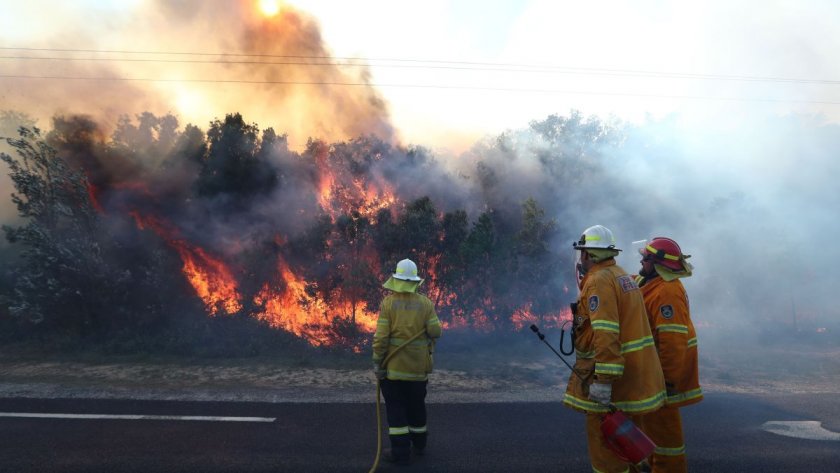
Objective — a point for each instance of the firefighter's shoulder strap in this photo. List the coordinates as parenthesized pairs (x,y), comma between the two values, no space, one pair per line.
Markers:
(400,347)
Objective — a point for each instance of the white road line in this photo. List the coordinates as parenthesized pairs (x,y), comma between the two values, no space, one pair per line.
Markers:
(803,429)
(47,415)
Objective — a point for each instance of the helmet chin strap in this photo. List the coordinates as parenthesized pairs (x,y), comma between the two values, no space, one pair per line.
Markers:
(648,274)
(580,272)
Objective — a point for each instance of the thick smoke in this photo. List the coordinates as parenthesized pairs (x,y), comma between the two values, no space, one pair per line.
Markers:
(233,55)
(297,97)
(752,204)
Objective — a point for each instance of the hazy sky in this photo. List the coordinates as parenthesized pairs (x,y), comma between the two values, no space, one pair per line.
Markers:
(457,70)
(613,39)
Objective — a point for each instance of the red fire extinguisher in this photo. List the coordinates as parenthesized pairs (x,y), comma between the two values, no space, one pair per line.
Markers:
(627,441)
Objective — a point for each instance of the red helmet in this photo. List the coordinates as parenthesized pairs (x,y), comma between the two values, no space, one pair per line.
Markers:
(666,252)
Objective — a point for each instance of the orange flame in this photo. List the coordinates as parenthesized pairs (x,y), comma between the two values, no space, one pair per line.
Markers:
(339,194)
(211,279)
(292,309)
(374,199)
(523,317)
(325,189)
(436,292)
(299,310)
(93,195)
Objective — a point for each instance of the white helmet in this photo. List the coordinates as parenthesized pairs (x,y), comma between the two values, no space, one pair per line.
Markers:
(407,271)
(596,237)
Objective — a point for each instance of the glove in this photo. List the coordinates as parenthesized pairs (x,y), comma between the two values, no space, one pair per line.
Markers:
(379,372)
(600,392)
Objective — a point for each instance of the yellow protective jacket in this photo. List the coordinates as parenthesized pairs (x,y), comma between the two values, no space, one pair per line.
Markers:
(613,342)
(676,340)
(401,315)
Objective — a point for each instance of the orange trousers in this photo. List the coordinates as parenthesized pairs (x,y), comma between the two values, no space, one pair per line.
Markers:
(602,458)
(664,427)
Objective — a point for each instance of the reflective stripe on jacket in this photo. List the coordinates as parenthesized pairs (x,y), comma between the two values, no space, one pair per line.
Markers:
(676,340)
(611,323)
(401,315)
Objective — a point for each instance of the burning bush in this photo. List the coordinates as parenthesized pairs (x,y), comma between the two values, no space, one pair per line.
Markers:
(131,232)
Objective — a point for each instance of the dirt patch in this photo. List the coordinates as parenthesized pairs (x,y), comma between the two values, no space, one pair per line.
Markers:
(255,382)
(462,378)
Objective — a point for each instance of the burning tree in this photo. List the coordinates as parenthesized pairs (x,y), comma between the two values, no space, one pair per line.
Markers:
(244,228)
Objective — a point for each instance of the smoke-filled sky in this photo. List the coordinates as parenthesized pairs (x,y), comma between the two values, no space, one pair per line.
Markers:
(449,72)
(734,106)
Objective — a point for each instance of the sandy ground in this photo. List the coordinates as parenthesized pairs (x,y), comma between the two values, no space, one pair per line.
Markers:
(496,381)
(254,382)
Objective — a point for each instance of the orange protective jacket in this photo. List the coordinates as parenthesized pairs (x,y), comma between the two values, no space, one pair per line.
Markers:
(613,342)
(676,340)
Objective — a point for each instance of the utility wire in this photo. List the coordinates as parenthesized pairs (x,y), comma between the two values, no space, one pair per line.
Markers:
(420,86)
(401,63)
(296,63)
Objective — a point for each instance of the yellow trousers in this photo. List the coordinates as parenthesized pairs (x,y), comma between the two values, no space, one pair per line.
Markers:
(602,458)
(664,427)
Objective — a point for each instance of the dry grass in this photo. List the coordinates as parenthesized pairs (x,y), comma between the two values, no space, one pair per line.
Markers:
(493,371)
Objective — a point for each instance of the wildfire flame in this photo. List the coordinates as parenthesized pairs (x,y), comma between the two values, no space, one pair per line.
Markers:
(524,317)
(436,292)
(93,193)
(294,307)
(326,181)
(374,199)
(291,302)
(212,280)
(342,196)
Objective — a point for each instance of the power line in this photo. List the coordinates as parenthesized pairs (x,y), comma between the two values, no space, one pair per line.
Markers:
(402,63)
(290,63)
(420,86)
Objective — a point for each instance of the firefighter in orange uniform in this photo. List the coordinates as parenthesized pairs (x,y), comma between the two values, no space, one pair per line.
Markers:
(616,359)
(663,263)
(402,314)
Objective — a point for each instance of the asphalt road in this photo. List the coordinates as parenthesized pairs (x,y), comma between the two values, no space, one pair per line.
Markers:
(723,435)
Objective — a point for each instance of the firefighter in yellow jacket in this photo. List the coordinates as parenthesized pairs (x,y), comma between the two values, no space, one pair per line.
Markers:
(402,314)
(616,361)
(663,263)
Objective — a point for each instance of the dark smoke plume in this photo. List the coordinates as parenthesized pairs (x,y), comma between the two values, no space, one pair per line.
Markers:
(233,54)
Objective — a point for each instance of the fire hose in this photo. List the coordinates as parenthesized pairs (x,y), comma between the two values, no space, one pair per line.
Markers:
(622,436)
(379,392)
(536,330)
(573,307)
